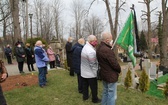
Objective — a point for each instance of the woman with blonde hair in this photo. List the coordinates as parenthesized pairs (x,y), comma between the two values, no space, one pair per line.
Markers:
(30,57)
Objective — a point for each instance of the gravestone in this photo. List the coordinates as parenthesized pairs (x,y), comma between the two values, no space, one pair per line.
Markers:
(152,71)
(151,68)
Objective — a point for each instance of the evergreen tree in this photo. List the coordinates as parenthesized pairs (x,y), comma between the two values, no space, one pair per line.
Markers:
(144,82)
(128,79)
(143,44)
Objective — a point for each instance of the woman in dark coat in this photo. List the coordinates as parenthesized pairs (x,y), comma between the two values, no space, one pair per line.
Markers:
(76,61)
(30,57)
(20,57)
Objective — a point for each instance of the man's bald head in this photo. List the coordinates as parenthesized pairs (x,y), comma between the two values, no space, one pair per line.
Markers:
(107,38)
(81,41)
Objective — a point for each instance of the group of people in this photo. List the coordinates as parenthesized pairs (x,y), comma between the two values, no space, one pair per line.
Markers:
(26,52)
(85,58)
(21,52)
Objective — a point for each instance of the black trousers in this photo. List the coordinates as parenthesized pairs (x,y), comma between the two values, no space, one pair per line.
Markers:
(9,59)
(32,67)
(92,82)
(140,66)
(71,72)
(2,98)
(52,64)
(80,88)
(20,66)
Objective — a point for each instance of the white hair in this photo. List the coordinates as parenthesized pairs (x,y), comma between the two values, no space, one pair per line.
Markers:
(91,38)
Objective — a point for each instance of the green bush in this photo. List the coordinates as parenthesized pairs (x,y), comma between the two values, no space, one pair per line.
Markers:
(144,82)
(33,41)
(166,90)
(128,79)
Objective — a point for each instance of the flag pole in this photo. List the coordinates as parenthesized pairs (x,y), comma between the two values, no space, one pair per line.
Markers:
(114,42)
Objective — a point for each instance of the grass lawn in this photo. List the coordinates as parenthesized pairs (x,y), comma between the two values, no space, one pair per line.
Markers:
(62,90)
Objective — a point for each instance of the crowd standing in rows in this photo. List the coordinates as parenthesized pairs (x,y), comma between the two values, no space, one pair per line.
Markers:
(86,59)
(82,59)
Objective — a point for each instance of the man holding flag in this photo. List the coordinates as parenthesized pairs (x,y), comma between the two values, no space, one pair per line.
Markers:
(109,69)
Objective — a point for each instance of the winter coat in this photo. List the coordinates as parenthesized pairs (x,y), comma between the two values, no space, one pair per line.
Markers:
(29,53)
(19,52)
(8,51)
(41,57)
(76,57)
(109,66)
(51,54)
(68,47)
(89,64)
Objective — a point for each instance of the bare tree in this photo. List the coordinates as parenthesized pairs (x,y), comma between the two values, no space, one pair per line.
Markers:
(78,13)
(93,26)
(57,10)
(148,18)
(39,8)
(164,39)
(47,23)
(5,13)
(15,15)
(113,27)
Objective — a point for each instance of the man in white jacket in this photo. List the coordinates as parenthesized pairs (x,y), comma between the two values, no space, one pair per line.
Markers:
(89,67)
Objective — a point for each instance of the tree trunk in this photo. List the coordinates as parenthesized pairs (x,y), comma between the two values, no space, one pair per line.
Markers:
(149,29)
(164,48)
(116,27)
(4,30)
(15,15)
(109,15)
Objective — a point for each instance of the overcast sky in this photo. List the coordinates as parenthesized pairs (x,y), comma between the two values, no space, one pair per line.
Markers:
(99,9)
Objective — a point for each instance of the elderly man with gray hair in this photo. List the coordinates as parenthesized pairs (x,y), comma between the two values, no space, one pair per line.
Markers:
(41,62)
(109,69)
(89,67)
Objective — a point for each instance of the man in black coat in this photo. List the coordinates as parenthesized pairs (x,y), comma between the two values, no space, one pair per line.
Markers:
(20,57)
(8,53)
(76,61)
(68,47)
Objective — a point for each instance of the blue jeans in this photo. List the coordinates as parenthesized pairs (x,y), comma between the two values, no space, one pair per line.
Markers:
(42,76)
(109,93)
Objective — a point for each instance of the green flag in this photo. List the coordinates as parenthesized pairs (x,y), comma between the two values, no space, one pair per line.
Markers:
(126,38)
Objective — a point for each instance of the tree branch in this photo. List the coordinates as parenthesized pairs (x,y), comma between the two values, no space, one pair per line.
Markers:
(153,9)
(90,6)
(143,11)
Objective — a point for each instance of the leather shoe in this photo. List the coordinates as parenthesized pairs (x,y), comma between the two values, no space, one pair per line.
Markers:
(96,101)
